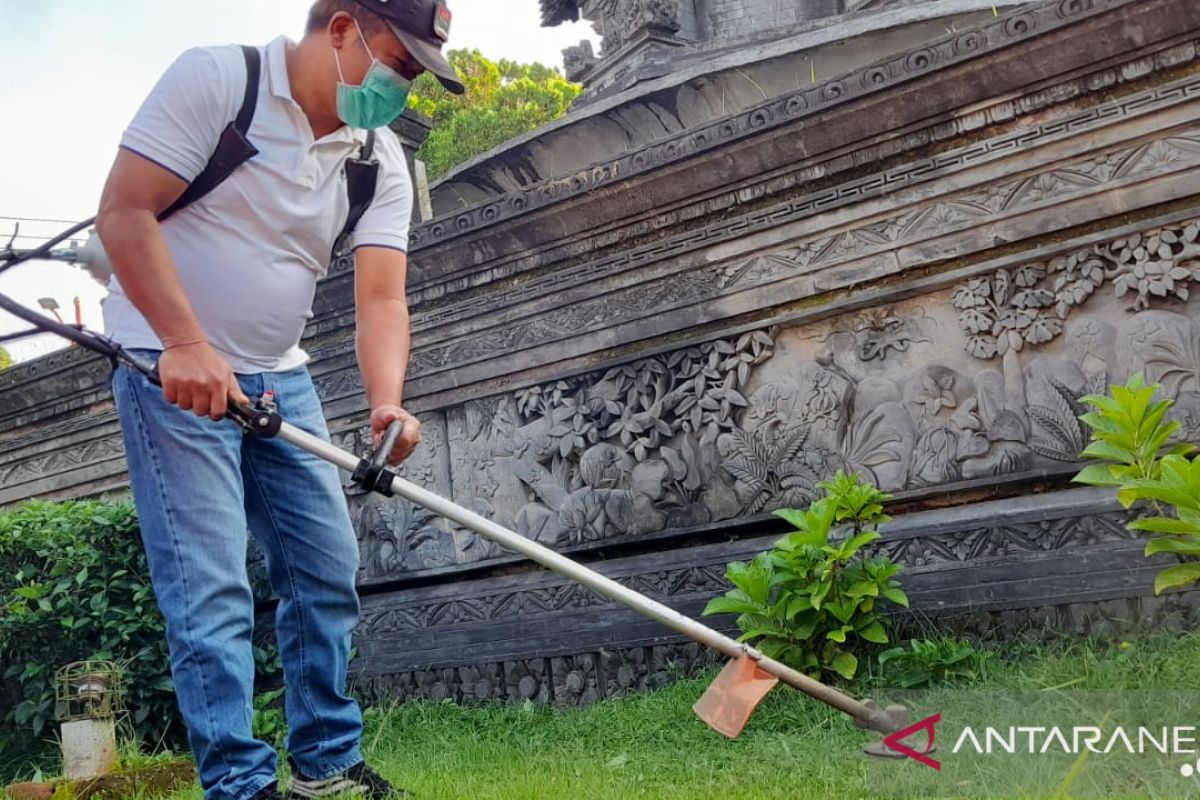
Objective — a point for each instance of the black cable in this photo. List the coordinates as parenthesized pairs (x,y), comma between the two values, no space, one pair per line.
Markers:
(35,219)
(12,259)
(81,336)
(12,337)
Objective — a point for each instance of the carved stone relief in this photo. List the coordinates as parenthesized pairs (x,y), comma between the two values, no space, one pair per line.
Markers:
(1012,313)
(918,220)
(625,452)
(745,424)
(395,535)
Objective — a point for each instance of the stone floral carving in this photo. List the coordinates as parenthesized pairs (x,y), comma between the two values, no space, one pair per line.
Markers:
(527,680)
(626,452)
(398,536)
(1028,305)
(1165,345)
(625,671)
(769,465)
(1003,312)
(436,685)
(1059,434)
(1161,263)
(1009,311)
(482,682)
(877,332)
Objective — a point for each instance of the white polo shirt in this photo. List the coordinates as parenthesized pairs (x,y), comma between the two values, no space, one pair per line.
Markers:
(249,254)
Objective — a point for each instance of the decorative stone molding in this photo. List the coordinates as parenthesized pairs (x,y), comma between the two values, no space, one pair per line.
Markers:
(574,680)
(1002,544)
(892,181)
(619,672)
(959,48)
(993,539)
(811,256)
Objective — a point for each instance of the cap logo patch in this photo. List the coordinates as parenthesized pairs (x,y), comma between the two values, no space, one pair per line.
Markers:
(441,22)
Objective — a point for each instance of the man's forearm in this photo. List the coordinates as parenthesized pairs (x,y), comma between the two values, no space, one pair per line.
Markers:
(383,346)
(135,245)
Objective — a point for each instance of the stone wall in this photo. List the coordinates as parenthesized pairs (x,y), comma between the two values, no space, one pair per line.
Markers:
(644,97)
(759,17)
(913,270)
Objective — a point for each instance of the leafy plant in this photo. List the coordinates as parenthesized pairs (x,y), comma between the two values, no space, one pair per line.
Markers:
(269,722)
(811,602)
(932,661)
(1133,441)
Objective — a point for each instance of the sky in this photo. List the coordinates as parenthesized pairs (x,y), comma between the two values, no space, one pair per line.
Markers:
(77,70)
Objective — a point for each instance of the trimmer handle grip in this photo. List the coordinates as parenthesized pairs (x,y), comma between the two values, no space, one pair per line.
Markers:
(390,437)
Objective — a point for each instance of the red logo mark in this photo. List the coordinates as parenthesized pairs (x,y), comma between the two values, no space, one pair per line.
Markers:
(893,741)
(441,22)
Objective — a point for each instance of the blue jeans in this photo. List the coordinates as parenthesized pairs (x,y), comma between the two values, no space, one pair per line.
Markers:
(198,486)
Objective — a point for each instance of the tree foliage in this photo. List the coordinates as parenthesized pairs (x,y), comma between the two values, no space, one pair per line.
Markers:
(6,360)
(503,99)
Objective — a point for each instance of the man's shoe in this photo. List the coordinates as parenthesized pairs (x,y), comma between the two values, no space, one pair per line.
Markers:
(268,792)
(358,780)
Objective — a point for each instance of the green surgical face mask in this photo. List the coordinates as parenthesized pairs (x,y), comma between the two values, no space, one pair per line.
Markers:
(380,99)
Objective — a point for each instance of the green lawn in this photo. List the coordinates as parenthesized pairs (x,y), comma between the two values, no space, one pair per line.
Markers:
(653,747)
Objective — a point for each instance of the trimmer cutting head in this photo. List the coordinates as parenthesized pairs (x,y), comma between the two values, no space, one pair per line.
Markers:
(890,722)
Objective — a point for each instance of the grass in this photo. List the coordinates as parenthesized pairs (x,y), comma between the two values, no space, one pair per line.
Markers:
(652,747)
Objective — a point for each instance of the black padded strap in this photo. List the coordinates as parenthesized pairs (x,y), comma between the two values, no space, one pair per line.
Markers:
(233,148)
(362,176)
(245,117)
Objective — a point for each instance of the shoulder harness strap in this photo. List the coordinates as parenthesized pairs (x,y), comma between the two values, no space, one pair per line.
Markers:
(362,176)
(233,148)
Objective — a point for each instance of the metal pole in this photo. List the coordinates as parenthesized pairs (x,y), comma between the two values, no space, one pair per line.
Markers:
(866,714)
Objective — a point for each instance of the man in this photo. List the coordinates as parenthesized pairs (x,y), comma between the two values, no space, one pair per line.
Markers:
(219,294)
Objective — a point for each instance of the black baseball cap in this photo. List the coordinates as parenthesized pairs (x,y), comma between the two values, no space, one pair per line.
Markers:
(422,26)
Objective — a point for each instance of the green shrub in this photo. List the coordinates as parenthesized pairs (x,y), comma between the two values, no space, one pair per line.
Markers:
(811,602)
(1132,440)
(926,662)
(74,585)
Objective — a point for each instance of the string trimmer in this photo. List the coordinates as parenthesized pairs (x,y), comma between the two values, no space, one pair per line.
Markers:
(726,706)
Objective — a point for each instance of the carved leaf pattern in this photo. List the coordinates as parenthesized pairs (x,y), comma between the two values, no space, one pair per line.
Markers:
(1160,263)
